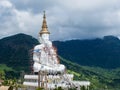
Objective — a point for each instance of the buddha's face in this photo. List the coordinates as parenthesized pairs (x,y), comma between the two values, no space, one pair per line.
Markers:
(44,38)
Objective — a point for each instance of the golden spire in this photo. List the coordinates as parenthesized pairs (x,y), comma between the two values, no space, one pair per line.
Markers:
(44,26)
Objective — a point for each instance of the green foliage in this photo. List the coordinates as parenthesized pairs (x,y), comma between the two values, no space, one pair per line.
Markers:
(14,51)
(94,52)
(98,77)
(39,88)
(13,83)
(72,89)
(4,71)
(58,88)
(2,75)
(5,67)
(83,88)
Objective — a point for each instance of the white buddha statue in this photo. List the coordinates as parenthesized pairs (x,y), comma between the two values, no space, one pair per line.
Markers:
(45,56)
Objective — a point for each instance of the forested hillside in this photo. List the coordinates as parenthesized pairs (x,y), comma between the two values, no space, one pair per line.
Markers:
(98,60)
(98,52)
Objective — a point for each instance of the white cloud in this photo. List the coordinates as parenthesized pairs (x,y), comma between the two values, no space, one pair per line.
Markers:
(68,19)
(17,21)
(5,3)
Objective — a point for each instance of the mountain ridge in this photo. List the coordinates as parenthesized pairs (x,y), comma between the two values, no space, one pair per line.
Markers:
(97,52)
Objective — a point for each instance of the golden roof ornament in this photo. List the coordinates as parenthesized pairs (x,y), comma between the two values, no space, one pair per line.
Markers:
(44,26)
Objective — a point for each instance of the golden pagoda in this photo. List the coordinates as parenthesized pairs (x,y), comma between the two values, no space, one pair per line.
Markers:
(44,26)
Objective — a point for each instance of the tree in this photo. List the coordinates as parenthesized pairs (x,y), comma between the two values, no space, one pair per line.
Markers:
(83,88)
(2,75)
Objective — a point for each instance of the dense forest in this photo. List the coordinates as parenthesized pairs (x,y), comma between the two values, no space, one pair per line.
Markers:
(96,52)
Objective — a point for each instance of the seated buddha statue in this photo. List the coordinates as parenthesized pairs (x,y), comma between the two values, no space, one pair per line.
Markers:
(45,56)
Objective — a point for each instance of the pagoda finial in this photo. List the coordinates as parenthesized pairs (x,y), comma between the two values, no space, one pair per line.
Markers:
(44,26)
(44,14)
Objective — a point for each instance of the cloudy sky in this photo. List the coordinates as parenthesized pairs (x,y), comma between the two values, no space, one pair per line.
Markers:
(66,19)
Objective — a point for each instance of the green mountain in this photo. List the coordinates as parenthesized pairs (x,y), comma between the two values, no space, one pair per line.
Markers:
(98,52)
(90,56)
(14,51)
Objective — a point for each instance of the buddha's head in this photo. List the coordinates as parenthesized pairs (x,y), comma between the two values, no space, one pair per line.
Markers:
(44,38)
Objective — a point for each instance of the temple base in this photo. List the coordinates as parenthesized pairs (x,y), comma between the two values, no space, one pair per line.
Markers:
(50,82)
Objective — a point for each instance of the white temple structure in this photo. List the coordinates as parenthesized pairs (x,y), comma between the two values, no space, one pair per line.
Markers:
(48,72)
